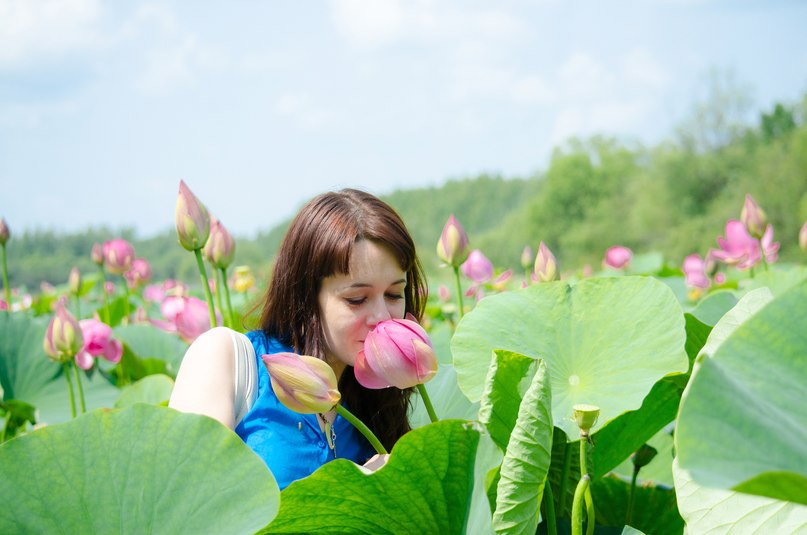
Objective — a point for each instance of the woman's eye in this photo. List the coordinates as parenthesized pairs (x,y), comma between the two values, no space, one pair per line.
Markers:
(354,300)
(395,297)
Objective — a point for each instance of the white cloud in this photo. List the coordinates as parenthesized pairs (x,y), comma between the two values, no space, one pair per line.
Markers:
(369,23)
(42,29)
(641,67)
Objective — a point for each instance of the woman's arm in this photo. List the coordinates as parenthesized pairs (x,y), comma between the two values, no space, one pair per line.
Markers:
(205,381)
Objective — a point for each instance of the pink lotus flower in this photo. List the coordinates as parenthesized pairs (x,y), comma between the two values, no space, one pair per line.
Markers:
(192,219)
(187,316)
(443,293)
(526,257)
(500,283)
(452,248)
(546,267)
(138,274)
(303,384)
(63,337)
(617,257)
(739,248)
(803,237)
(753,217)
(220,246)
(118,255)
(74,281)
(396,353)
(477,268)
(98,342)
(695,271)
(97,254)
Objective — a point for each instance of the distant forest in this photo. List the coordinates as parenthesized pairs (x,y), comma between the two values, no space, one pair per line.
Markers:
(673,198)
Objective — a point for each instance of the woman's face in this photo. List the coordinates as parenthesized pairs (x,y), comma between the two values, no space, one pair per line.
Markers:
(351,305)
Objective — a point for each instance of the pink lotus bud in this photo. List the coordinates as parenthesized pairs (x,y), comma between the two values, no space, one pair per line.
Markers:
(803,237)
(500,283)
(546,267)
(192,220)
(303,384)
(396,353)
(97,254)
(753,217)
(220,246)
(98,342)
(695,271)
(118,255)
(617,257)
(443,293)
(189,316)
(74,281)
(5,232)
(452,248)
(242,279)
(477,268)
(63,338)
(154,293)
(138,274)
(526,257)
(720,278)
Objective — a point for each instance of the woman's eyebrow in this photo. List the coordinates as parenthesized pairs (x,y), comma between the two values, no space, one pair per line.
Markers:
(367,285)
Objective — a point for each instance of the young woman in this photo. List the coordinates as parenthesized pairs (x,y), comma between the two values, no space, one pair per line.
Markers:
(346,263)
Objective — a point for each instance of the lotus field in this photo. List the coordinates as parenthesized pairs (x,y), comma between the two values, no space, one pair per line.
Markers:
(637,396)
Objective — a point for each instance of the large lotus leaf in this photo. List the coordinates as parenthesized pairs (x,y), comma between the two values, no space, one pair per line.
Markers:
(713,306)
(446,398)
(659,470)
(152,389)
(149,342)
(743,420)
(606,341)
(24,367)
(144,469)
(778,279)
(53,401)
(716,511)
(526,461)
(425,487)
(654,508)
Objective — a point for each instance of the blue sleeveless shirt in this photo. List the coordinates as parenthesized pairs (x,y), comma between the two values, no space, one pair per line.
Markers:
(292,444)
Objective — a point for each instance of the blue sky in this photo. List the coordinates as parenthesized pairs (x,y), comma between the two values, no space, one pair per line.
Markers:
(105,106)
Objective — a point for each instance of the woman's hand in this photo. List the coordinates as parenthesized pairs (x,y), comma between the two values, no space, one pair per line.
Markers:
(376,461)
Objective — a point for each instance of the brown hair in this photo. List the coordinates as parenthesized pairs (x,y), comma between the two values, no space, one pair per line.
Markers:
(317,245)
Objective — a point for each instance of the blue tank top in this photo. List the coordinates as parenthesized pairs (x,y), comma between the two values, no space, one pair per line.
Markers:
(292,444)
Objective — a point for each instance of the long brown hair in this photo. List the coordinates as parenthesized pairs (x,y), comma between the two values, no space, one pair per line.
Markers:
(317,245)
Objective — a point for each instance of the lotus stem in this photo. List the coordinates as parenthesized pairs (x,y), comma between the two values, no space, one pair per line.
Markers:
(459,291)
(70,388)
(107,318)
(629,514)
(125,320)
(80,387)
(589,512)
(227,297)
(203,274)
(6,288)
(363,429)
(224,316)
(427,402)
(577,505)
(589,501)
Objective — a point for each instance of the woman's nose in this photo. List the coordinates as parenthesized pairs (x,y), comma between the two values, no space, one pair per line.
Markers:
(379,313)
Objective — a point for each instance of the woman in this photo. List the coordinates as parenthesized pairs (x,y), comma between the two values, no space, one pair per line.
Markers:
(346,263)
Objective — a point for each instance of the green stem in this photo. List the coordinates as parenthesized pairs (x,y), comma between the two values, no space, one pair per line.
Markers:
(5,426)
(203,274)
(762,255)
(564,477)
(103,292)
(584,474)
(80,387)
(589,512)
(363,429)
(583,470)
(224,317)
(125,320)
(5,279)
(459,290)
(629,515)
(78,307)
(70,388)
(577,505)
(427,402)
(549,504)
(227,297)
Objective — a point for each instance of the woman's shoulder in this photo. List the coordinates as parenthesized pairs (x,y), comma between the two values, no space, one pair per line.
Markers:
(265,344)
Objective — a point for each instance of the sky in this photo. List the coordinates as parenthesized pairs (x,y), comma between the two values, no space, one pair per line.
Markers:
(259,105)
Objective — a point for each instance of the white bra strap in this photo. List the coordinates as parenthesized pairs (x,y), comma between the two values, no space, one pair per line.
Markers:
(246,376)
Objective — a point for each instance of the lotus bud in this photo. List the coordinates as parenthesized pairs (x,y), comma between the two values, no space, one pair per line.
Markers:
(220,246)
(617,257)
(452,248)
(243,279)
(526,257)
(139,274)
(303,384)
(546,267)
(118,256)
(643,456)
(97,254)
(192,219)
(63,338)
(803,237)
(74,281)
(443,293)
(398,353)
(477,267)
(5,232)
(500,283)
(753,217)
(586,417)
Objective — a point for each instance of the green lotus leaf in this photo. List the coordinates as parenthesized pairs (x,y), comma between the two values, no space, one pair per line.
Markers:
(149,342)
(152,389)
(707,510)
(143,469)
(743,420)
(446,398)
(654,508)
(606,341)
(425,487)
(713,306)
